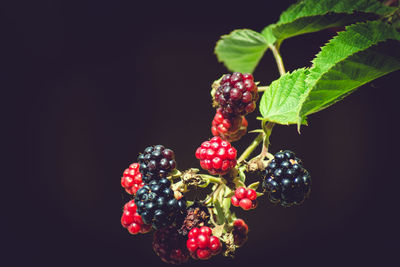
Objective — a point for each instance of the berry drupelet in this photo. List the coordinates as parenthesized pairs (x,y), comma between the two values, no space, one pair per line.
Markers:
(156,162)
(170,246)
(237,94)
(217,156)
(286,181)
(157,205)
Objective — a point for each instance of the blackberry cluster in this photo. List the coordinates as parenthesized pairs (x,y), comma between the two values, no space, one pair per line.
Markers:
(237,94)
(157,205)
(170,246)
(286,181)
(156,162)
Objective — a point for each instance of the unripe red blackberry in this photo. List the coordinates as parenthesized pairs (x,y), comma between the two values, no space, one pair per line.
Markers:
(231,128)
(216,156)
(286,181)
(132,179)
(237,94)
(132,221)
(202,244)
(244,198)
(156,162)
(157,205)
(240,230)
(170,246)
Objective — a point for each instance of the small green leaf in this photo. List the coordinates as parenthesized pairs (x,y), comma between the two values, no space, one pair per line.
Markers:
(220,213)
(241,50)
(362,53)
(254,186)
(280,103)
(314,15)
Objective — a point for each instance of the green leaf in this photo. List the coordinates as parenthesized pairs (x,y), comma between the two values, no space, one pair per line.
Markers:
(314,15)
(268,34)
(280,103)
(362,53)
(254,186)
(241,50)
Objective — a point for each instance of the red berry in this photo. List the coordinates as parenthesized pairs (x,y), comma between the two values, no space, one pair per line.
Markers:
(251,194)
(234,201)
(206,230)
(202,244)
(203,240)
(215,244)
(191,244)
(203,254)
(132,179)
(134,228)
(132,221)
(194,232)
(240,192)
(217,156)
(245,203)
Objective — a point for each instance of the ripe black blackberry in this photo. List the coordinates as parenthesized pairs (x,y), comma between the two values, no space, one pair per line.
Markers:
(236,95)
(170,246)
(156,162)
(286,181)
(157,205)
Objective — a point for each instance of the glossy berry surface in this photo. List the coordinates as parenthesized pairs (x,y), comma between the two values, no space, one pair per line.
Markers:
(132,179)
(237,94)
(202,244)
(244,198)
(217,156)
(286,181)
(132,221)
(170,246)
(240,231)
(230,128)
(156,162)
(157,204)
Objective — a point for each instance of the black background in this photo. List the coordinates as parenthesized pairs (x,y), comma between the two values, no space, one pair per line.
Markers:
(89,84)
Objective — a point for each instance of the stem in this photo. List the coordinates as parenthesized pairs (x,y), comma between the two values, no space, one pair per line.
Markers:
(278,59)
(251,147)
(262,88)
(211,179)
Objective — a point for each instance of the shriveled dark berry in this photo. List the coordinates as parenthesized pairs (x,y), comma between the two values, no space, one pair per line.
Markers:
(286,181)
(170,246)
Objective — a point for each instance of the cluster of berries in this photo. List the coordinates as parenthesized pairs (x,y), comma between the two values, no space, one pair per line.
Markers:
(217,156)
(132,221)
(286,181)
(244,198)
(182,232)
(202,244)
(235,97)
